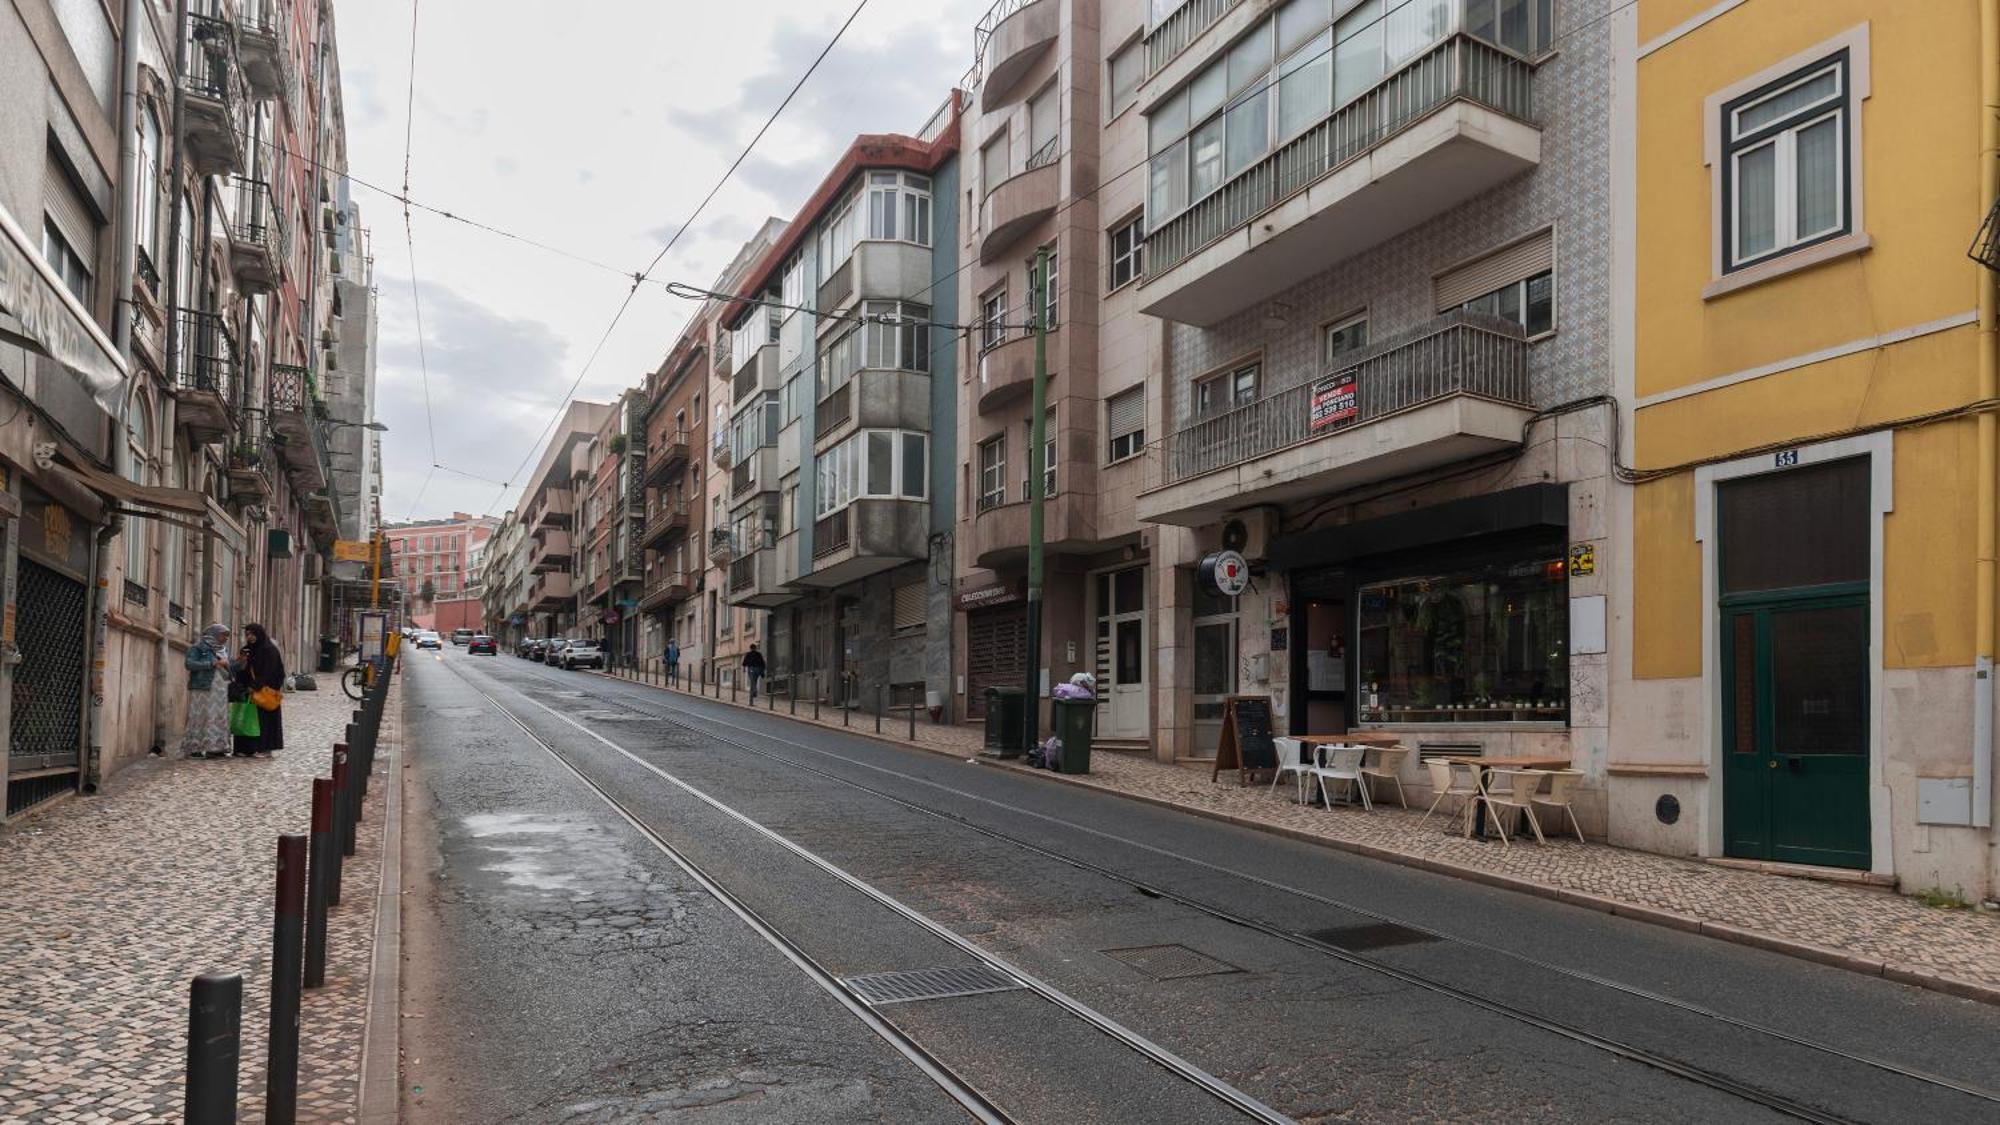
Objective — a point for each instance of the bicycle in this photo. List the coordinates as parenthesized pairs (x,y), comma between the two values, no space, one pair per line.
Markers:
(354,681)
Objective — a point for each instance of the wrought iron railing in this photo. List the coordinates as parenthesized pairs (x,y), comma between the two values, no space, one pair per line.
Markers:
(207,359)
(832,532)
(258,220)
(211,58)
(664,521)
(834,409)
(743,478)
(289,387)
(1459,354)
(1044,155)
(983,31)
(1172,35)
(1458,67)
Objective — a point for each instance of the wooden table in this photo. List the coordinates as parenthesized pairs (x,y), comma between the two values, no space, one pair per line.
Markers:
(1354,738)
(1488,765)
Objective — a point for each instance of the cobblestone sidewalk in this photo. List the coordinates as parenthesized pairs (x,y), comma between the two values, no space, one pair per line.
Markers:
(1867,930)
(110,904)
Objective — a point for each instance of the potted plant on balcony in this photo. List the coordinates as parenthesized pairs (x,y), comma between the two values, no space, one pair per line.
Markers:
(618,445)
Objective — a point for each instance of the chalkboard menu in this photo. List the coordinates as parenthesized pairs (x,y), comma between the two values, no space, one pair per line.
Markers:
(1246,737)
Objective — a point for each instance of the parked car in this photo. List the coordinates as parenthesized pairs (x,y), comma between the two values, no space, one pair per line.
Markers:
(429,639)
(521,648)
(552,650)
(461,637)
(479,643)
(582,654)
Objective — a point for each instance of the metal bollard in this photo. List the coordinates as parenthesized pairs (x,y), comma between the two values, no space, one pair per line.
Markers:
(770,701)
(913,722)
(732,689)
(792,702)
(878,708)
(343,809)
(215,1032)
(319,879)
(818,690)
(281,1061)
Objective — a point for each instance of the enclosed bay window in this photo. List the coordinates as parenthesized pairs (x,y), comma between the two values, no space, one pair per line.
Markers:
(1785,169)
(898,335)
(899,207)
(836,238)
(872,464)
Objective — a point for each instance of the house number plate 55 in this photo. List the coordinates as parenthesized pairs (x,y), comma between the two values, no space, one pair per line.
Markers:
(1787,458)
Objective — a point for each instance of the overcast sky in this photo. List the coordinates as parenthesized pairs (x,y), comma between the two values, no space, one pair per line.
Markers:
(594,126)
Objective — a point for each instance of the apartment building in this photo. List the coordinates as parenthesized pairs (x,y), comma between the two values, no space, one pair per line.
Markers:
(842,397)
(545,556)
(610,520)
(169,317)
(505,580)
(1809,648)
(433,561)
(674,486)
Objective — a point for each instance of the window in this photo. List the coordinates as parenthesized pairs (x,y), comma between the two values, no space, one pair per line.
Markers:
(68,265)
(69,229)
(840,361)
(1128,251)
(899,207)
(1223,392)
(993,162)
(1126,418)
(993,319)
(885,464)
(1048,454)
(898,335)
(916,467)
(910,604)
(794,397)
(1044,127)
(993,472)
(792,289)
(1529,303)
(1784,164)
(1516,282)
(836,239)
(1523,26)
(1126,69)
(1051,291)
(1344,338)
(138,552)
(148,188)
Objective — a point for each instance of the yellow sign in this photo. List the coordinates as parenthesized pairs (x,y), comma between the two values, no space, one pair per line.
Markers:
(1582,559)
(353,550)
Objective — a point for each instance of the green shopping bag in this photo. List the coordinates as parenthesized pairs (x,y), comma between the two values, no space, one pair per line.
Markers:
(243,720)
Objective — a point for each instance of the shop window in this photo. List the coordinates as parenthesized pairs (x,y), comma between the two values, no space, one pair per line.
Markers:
(1479,645)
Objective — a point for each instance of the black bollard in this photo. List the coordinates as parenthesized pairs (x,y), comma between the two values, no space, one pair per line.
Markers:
(346,776)
(281,1061)
(319,880)
(913,722)
(878,708)
(215,1031)
(817,691)
(770,701)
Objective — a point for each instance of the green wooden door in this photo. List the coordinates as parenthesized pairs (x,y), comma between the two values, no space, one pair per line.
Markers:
(1795,723)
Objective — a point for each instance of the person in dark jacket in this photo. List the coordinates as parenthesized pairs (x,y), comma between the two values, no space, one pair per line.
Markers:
(673,662)
(207,732)
(261,666)
(753,667)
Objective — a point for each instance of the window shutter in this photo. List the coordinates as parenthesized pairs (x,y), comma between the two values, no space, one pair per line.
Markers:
(1128,411)
(76,219)
(910,605)
(1477,278)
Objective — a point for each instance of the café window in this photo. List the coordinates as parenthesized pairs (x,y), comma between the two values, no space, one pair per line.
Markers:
(1484,644)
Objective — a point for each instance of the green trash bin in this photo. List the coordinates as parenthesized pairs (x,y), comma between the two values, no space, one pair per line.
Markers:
(1072,719)
(1005,717)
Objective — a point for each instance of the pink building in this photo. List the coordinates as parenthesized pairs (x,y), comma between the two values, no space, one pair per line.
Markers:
(442,553)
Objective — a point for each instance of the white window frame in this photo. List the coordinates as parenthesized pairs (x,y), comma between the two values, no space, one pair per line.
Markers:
(1052,294)
(1233,381)
(992,472)
(1048,454)
(1134,440)
(1521,302)
(1326,356)
(1132,260)
(840,472)
(1781,138)
(1728,276)
(993,319)
(899,208)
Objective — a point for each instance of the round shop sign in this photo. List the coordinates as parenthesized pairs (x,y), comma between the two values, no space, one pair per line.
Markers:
(1226,573)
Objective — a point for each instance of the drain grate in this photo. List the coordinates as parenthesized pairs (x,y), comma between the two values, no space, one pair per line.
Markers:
(929,984)
(1373,935)
(1170,962)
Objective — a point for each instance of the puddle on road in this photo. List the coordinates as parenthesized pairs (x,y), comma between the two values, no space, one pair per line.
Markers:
(509,824)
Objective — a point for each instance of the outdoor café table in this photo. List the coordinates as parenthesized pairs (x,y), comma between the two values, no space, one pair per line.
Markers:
(1488,765)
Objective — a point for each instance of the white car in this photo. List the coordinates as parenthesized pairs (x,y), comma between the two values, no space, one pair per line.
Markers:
(429,639)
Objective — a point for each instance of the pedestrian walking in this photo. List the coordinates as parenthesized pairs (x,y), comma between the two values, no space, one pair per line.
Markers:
(753,667)
(261,677)
(207,733)
(673,662)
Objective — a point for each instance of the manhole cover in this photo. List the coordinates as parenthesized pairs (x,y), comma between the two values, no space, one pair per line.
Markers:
(1374,935)
(1170,962)
(929,984)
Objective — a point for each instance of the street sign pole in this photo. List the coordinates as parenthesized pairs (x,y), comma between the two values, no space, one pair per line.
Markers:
(1031,719)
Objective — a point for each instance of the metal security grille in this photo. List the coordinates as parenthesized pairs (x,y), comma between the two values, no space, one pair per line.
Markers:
(1171,962)
(930,984)
(49,681)
(996,653)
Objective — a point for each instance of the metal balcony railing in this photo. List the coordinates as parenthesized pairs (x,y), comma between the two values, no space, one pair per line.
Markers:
(746,379)
(983,30)
(207,360)
(1044,155)
(1458,354)
(832,532)
(743,573)
(257,220)
(290,388)
(1458,67)
(211,59)
(834,409)
(1172,35)
(743,478)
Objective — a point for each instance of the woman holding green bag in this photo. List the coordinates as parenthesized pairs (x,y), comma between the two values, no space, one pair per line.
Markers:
(260,678)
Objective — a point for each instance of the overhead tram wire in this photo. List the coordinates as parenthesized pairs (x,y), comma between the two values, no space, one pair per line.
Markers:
(410,241)
(646,275)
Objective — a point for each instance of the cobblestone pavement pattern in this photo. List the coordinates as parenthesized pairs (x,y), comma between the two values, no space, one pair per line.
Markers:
(1898,931)
(110,904)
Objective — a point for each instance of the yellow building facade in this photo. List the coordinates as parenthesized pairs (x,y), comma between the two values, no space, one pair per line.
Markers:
(1804,671)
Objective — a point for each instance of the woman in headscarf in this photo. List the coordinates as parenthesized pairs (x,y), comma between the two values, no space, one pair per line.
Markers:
(207,734)
(261,667)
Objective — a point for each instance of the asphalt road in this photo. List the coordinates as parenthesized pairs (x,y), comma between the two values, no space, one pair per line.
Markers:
(561,966)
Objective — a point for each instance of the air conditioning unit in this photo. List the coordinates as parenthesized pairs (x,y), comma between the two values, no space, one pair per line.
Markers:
(1248,533)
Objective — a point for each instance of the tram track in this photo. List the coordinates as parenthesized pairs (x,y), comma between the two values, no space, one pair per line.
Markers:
(705,725)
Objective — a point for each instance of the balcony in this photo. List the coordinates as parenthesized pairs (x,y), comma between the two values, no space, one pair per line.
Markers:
(874,399)
(292,401)
(721,546)
(250,459)
(211,89)
(666,588)
(755,473)
(753,580)
(1451,124)
(262,26)
(835,410)
(1000,531)
(555,509)
(304,455)
(1171,35)
(1009,40)
(668,457)
(553,592)
(206,372)
(1452,389)
(867,537)
(758,373)
(670,520)
(551,550)
(258,247)
(878,271)
(1018,204)
(1006,372)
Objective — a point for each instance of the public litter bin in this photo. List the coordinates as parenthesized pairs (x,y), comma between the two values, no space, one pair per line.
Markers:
(1072,719)
(329,653)
(1005,714)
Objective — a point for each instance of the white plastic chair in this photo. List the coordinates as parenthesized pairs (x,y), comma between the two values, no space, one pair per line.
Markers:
(1515,790)
(1561,784)
(1388,767)
(1342,764)
(1291,760)
(1451,783)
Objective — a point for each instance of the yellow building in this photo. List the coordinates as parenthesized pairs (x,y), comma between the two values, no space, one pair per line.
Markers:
(1804,674)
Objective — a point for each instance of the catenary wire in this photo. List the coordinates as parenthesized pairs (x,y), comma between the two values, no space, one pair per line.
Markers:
(410,239)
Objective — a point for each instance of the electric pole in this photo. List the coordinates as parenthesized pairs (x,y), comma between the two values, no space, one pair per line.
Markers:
(1031,719)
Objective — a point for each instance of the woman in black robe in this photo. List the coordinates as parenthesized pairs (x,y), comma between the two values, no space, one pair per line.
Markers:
(262,666)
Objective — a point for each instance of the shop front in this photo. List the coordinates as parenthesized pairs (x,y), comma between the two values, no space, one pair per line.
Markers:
(1449,623)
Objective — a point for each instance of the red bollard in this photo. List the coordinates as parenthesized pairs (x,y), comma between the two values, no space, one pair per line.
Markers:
(281,1069)
(319,880)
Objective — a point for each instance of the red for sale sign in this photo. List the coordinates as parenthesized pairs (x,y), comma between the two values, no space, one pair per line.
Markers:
(1333,400)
